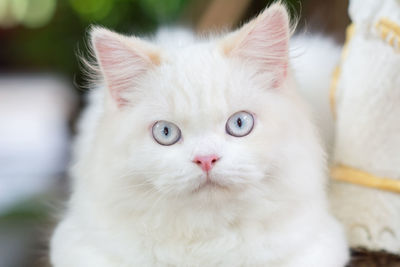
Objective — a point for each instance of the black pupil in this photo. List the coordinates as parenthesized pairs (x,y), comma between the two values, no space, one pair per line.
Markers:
(239,122)
(166,131)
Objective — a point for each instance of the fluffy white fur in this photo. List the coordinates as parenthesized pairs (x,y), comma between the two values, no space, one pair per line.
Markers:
(137,203)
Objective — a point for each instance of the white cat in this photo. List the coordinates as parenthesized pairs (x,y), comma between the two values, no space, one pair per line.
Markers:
(198,154)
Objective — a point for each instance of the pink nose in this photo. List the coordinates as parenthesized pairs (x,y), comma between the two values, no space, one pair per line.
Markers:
(206,162)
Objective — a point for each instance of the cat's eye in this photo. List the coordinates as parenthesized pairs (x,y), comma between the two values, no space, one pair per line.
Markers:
(240,124)
(166,133)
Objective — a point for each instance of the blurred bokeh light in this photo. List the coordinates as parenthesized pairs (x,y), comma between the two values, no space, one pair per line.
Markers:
(30,13)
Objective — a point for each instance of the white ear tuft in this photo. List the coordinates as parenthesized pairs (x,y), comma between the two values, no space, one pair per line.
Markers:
(122,60)
(264,41)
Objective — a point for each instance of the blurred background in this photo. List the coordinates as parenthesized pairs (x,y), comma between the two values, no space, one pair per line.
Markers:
(42,92)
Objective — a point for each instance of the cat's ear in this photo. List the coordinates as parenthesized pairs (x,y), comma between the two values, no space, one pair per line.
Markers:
(263,42)
(122,60)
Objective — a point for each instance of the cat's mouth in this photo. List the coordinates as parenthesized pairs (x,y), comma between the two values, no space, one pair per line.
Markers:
(210,184)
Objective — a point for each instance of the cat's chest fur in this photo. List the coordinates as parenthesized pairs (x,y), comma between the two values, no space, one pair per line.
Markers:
(262,242)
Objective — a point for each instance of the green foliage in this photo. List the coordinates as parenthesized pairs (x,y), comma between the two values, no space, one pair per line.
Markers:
(30,211)
(162,10)
(92,9)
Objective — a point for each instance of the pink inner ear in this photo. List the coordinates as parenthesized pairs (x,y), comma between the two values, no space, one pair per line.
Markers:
(266,44)
(121,64)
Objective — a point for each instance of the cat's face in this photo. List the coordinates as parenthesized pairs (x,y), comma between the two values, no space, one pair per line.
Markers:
(197,129)
(209,119)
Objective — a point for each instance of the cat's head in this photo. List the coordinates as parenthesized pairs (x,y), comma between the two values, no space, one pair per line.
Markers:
(215,118)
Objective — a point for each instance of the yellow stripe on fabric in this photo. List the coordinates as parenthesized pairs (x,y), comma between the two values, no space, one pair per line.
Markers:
(354,176)
(388,28)
(336,73)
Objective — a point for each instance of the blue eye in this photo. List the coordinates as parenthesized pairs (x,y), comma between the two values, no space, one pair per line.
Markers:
(166,133)
(240,124)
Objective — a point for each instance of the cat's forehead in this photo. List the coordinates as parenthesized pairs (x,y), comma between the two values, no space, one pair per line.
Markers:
(197,82)
(197,61)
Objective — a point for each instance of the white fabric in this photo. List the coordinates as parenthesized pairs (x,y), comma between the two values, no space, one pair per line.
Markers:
(368,129)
